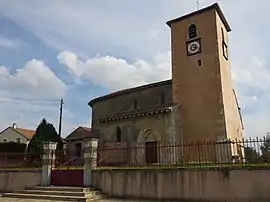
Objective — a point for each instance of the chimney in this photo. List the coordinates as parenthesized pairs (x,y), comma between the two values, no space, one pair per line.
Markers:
(14,125)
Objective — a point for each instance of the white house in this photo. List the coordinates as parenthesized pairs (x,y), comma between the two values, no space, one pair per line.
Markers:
(15,134)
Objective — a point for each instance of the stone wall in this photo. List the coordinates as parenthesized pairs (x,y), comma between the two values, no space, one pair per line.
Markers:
(14,180)
(146,96)
(151,120)
(193,185)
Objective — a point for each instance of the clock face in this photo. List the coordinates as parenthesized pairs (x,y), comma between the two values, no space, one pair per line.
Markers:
(193,47)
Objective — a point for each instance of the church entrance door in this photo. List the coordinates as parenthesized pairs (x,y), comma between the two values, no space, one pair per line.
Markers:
(151,152)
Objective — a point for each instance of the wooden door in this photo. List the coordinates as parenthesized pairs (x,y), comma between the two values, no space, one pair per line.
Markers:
(151,152)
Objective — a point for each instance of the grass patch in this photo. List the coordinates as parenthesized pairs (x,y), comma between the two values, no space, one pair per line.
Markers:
(68,168)
(187,166)
(22,169)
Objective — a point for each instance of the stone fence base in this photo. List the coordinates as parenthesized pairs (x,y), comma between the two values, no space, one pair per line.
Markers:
(194,185)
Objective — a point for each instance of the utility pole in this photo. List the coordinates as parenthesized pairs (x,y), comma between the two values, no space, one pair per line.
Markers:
(198,5)
(60,118)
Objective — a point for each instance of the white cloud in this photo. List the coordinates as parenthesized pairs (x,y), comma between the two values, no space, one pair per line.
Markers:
(33,80)
(114,73)
(136,30)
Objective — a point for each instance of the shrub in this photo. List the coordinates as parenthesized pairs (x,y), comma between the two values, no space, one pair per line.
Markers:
(12,147)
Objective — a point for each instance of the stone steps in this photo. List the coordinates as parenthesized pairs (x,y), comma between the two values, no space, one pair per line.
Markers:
(57,193)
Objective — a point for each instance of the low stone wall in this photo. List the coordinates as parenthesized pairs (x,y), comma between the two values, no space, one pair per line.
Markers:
(14,180)
(193,185)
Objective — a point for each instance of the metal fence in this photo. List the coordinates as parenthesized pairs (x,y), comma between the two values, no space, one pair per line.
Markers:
(34,160)
(69,158)
(239,153)
(20,160)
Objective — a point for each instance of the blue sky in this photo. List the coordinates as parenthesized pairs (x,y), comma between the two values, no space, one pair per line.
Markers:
(78,50)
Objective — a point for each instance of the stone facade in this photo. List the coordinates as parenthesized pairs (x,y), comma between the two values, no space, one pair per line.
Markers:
(152,120)
(202,82)
(209,107)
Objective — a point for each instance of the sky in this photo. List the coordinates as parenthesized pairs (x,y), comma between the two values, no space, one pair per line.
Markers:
(79,50)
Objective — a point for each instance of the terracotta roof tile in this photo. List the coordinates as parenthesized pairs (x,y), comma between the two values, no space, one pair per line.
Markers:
(28,133)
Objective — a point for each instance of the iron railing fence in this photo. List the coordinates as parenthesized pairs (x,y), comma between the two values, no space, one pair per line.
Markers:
(69,158)
(253,152)
(238,152)
(20,160)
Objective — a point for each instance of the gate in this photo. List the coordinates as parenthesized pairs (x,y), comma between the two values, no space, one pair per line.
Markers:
(68,169)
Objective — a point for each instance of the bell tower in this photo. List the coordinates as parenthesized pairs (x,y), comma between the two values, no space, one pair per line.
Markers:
(201,77)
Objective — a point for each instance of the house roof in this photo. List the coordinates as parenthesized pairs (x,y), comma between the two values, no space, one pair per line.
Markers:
(26,132)
(22,131)
(213,6)
(129,90)
(80,133)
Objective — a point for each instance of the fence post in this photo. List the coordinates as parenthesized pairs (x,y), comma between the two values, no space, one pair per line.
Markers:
(47,162)
(90,160)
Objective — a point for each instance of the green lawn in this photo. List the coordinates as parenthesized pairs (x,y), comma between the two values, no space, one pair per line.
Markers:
(188,166)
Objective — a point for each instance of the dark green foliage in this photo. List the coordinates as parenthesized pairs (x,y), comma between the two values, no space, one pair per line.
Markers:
(251,155)
(265,148)
(45,132)
(12,147)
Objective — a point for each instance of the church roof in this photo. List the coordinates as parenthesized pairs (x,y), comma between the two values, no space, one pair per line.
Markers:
(214,6)
(129,90)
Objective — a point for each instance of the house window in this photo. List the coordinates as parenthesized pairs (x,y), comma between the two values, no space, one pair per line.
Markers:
(199,63)
(163,98)
(192,31)
(5,140)
(118,134)
(135,104)
(18,140)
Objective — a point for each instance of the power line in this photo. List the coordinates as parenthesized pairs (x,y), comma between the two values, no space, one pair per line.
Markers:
(34,103)
(30,99)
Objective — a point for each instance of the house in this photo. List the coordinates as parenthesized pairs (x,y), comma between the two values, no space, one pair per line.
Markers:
(199,103)
(15,134)
(74,143)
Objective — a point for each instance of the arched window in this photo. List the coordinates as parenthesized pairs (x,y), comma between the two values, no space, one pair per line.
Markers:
(118,134)
(163,98)
(192,31)
(222,34)
(135,104)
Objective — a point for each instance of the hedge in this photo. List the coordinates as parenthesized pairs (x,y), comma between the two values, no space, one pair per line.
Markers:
(11,147)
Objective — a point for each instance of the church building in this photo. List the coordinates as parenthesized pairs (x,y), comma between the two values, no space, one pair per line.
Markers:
(199,103)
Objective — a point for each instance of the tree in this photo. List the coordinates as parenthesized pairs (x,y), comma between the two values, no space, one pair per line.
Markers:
(45,132)
(251,155)
(265,148)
